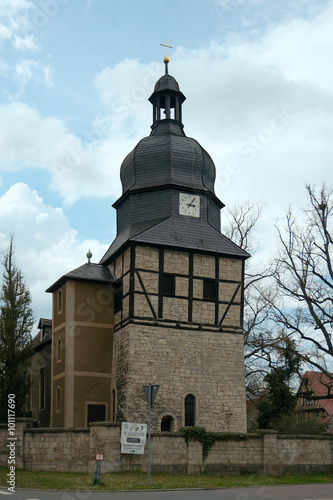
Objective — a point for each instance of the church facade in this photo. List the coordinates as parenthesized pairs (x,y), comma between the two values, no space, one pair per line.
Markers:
(165,304)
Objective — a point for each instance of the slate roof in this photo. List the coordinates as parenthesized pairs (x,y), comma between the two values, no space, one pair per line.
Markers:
(37,342)
(166,82)
(88,272)
(193,233)
(181,232)
(168,158)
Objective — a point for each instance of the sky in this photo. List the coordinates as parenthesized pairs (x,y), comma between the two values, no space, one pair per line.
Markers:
(76,76)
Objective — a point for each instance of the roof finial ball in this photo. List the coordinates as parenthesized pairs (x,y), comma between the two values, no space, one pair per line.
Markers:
(89,255)
(166,60)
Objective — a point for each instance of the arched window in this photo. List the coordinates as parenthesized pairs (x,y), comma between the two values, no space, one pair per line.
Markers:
(58,399)
(59,350)
(190,410)
(59,301)
(166,423)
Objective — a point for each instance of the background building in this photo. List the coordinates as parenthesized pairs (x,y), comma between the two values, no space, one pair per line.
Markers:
(39,401)
(315,398)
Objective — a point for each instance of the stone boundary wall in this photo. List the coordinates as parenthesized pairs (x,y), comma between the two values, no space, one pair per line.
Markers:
(74,450)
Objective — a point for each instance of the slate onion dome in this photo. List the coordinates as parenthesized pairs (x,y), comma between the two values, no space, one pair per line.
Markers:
(167,156)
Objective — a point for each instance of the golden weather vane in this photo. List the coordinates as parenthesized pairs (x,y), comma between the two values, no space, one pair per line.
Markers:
(166,59)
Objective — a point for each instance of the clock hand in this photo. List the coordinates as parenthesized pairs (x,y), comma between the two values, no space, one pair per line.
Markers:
(191,204)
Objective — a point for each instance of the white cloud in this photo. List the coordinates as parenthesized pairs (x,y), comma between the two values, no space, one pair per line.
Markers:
(3,68)
(21,22)
(78,168)
(33,70)
(46,246)
(125,89)
(300,48)
(25,43)
(48,75)
(25,70)
(14,16)
(5,32)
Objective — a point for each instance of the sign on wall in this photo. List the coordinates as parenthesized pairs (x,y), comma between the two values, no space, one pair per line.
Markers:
(133,438)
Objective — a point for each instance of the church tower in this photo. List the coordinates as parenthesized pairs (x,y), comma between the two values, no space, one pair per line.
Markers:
(178,291)
(165,304)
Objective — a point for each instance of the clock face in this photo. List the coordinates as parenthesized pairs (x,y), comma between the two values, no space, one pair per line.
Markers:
(189,204)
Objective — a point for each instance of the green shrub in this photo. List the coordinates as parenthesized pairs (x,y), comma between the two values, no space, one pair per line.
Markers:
(209,438)
(298,425)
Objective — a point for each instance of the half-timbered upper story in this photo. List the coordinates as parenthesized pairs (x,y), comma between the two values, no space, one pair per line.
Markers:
(178,288)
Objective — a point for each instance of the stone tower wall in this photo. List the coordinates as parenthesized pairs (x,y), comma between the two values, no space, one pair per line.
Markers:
(208,365)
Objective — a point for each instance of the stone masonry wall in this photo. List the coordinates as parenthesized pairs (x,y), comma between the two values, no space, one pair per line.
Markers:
(74,450)
(303,455)
(208,365)
(119,372)
(228,457)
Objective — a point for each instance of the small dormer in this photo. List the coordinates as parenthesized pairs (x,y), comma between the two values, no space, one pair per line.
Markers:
(45,328)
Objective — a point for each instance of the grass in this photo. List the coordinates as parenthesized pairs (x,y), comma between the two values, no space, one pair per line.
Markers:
(138,480)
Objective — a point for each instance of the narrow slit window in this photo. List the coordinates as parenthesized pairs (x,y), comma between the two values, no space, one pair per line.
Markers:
(58,399)
(59,350)
(118,296)
(59,301)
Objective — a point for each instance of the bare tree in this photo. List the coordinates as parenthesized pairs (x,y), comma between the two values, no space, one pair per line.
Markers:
(264,342)
(241,224)
(304,279)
